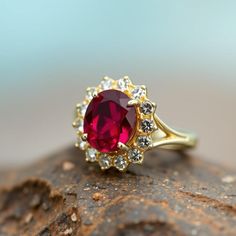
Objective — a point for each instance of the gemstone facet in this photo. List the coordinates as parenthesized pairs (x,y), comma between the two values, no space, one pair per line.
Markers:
(124,83)
(139,92)
(91,154)
(135,156)
(147,125)
(144,142)
(120,163)
(105,162)
(109,120)
(146,108)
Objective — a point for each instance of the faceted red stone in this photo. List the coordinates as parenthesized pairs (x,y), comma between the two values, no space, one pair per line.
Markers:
(109,120)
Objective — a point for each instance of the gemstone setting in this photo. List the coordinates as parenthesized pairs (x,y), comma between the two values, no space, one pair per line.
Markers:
(144,142)
(105,162)
(147,126)
(91,154)
(135,156)
(120,163)
(146,108)
(114,123)
(109,120)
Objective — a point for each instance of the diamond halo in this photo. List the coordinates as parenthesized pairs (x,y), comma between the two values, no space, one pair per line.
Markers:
(131,152)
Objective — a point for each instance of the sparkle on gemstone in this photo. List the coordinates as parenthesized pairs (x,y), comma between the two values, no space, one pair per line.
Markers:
(90,93)
(124,83)
(82,109)
(147,125)
(144,142)
(120,163)
(107,83)
(105,162)
(80,125)
(135,156)
(109,120)
(81,144)
(139,92)
(146,108)
(91,154)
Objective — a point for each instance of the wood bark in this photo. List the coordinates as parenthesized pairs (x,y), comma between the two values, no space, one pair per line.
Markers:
(170,194)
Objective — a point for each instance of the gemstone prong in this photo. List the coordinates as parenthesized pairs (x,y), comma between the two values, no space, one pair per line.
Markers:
(133,103)
(122,146)
(95,94)
(84,137)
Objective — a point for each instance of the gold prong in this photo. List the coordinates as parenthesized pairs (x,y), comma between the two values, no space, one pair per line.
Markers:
(154,105)
(84,137)
(95,94)
(122,146)
(143,87)
(74,124)
(133,103)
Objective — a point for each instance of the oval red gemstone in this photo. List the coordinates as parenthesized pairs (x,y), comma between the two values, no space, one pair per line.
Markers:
(109,120)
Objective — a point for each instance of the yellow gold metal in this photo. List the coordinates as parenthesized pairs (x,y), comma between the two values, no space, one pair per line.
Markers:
(153,133)
(168,138)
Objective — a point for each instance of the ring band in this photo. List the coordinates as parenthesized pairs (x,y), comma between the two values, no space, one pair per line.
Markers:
(117,123)
(168,138)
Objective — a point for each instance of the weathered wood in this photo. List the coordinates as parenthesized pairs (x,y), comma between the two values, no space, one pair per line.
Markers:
(170,194)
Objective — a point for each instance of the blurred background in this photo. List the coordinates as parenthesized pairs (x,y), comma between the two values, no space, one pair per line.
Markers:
(51,50)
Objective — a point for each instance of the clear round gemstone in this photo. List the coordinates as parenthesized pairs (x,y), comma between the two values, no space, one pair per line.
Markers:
(139,92)
(135,156)
(146,108)
(124,83)
(80,125)
(147,126)
(91,154)
(82,109)
(90,93)
(106,83)
(81,144)
(144,142)
(105,162)
(120,163)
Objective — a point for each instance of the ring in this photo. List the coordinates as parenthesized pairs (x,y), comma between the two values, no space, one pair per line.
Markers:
(117,123)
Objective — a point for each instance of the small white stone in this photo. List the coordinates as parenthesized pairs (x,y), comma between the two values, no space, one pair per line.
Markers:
(144,142)
(107,83)
(105,162)
(146,108)
(81,144)
(82,109)
(90,93)
(139,92)
(147,125)
(135,156)
(80,125)
(120,163)
(91,154)
(124,83)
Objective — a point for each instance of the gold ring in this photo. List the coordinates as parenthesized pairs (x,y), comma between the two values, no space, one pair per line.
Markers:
(117,123)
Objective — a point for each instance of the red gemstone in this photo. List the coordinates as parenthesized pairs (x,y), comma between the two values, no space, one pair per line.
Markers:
(109,120)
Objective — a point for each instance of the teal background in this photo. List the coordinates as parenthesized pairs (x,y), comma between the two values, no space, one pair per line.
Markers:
(50,51)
